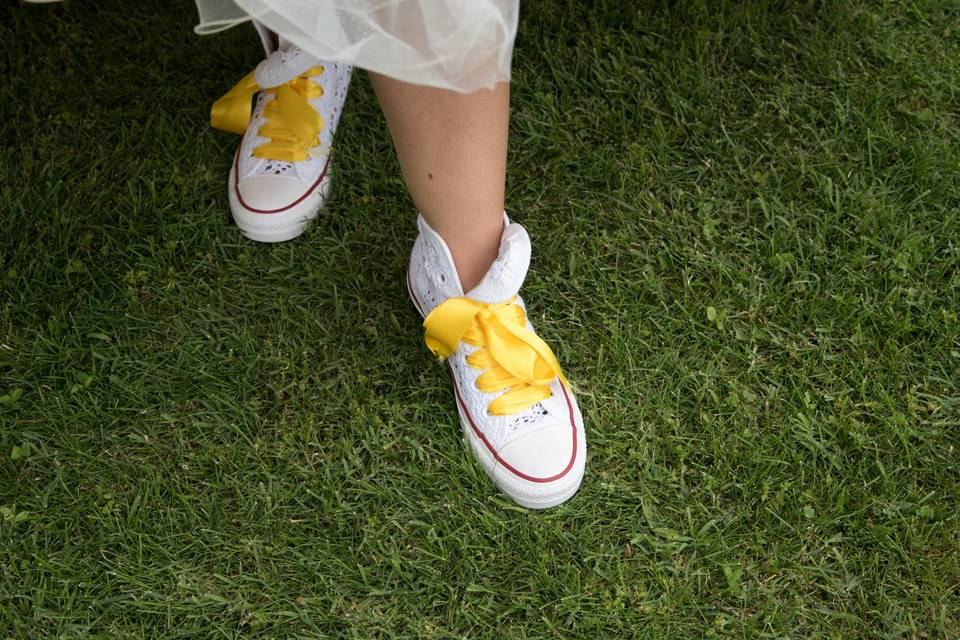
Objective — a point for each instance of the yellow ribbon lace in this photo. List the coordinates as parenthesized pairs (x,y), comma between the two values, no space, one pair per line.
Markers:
(293,125)
(511,356)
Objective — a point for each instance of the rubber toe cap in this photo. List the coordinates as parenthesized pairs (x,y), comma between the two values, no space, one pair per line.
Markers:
(543,455)
(270,194)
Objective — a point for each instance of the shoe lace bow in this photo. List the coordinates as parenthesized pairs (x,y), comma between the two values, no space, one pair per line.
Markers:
(292,124)
(510,355)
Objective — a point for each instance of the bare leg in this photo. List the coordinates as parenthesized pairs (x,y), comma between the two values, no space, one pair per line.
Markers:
(453,151)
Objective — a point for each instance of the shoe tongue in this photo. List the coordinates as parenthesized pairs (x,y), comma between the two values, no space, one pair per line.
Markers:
(507,273)
(284,64)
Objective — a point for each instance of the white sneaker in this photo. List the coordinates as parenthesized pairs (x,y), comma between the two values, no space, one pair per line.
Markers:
(518,413)
(281,173)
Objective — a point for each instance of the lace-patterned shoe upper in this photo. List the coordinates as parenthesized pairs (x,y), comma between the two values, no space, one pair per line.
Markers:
(519,414)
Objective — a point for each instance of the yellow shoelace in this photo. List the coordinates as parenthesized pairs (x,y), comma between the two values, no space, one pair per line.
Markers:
(511,356)
(293,126)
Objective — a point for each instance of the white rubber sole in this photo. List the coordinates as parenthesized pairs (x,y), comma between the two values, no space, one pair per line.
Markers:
(282,225)
(526,493)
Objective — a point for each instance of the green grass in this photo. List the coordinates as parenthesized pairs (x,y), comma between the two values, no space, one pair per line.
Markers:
(747,256)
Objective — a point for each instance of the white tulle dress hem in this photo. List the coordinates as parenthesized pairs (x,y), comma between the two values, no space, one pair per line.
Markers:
(462,45)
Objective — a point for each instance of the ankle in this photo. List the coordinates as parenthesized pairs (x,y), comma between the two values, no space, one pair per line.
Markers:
(474,249)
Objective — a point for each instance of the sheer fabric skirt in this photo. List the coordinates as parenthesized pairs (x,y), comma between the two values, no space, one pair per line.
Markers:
(462,45)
